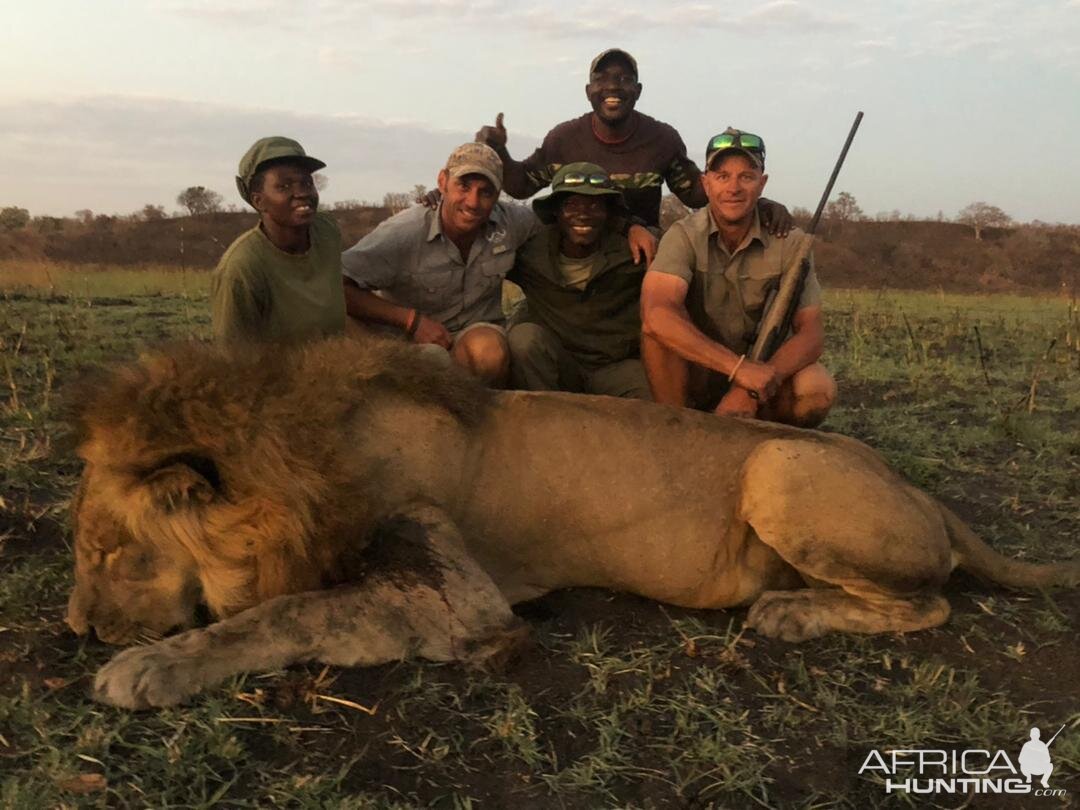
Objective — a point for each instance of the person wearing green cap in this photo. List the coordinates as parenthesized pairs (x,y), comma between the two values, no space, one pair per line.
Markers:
(281,280)
(640,152)
(705,293)
(580,330)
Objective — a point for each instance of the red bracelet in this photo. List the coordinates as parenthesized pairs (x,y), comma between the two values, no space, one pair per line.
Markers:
(413,323)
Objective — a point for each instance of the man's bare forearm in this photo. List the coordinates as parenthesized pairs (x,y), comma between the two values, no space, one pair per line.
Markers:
(364,305)
(672,328)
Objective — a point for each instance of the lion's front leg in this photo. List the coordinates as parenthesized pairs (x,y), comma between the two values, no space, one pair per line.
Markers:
(421,595)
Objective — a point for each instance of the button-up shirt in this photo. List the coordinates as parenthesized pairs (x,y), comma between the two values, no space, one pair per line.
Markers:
(728,288)
(411,262)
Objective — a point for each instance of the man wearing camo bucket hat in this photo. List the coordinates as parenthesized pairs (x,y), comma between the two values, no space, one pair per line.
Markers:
(581,328)
(280,281)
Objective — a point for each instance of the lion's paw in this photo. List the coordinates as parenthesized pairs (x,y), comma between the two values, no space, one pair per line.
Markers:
(787,615)
(142,677)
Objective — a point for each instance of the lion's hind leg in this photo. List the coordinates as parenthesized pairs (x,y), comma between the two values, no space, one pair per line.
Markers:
(873,548)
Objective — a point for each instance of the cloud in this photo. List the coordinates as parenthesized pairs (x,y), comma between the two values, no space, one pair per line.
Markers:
(589,19)
(117,153)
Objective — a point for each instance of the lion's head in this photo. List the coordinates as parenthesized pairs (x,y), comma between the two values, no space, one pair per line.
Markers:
(236,476)
(125,588)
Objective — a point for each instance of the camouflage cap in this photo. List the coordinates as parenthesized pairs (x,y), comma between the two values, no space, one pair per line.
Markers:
(265,150)
(610,53)
(576,178)
(476,158)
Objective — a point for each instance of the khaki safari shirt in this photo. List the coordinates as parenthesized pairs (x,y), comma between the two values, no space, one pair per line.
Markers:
(728,290)
(599,323)
(409,261)
(261,293)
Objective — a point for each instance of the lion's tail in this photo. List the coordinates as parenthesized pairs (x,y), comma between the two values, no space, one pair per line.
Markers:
(974,556)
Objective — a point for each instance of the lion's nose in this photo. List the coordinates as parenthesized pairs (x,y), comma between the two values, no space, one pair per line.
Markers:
(76,617)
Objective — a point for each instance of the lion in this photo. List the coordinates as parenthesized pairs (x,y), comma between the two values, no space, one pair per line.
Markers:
(354,502)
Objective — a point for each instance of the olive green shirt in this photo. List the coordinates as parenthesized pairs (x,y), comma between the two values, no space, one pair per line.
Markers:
(728,290)
(599,323)
(261,293)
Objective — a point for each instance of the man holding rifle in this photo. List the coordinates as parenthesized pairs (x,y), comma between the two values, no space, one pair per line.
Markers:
(705,294)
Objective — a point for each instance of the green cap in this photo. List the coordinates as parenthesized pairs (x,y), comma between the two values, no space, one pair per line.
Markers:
(576,178)
(265,150)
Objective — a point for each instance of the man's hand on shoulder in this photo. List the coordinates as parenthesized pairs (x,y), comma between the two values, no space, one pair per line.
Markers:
(642,244)
(775,217)
(495,136)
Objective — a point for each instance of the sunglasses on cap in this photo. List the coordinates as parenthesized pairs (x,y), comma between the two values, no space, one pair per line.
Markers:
(736,140)
(579,179)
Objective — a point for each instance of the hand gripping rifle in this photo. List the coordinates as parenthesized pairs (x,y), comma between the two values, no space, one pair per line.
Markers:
(783,299)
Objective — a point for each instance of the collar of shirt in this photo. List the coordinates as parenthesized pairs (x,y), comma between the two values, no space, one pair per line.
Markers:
(755,232)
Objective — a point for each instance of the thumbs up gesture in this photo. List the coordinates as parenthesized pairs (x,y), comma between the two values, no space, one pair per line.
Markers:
(495,136)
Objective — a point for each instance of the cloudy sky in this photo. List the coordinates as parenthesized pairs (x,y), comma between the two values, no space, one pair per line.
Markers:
(111,105)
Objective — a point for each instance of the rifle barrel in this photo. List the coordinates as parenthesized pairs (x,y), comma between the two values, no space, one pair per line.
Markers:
(834,175)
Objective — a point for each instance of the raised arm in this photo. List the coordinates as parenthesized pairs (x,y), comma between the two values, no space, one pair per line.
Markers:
(521,179)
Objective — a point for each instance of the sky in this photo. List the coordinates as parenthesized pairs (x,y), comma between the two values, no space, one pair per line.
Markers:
(112,105)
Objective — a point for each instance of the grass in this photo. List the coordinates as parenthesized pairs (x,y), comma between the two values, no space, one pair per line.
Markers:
(622,702)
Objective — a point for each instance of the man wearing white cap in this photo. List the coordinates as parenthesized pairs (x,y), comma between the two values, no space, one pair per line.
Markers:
(438,271)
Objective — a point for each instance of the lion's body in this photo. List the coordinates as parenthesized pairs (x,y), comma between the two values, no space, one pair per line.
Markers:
(272,477)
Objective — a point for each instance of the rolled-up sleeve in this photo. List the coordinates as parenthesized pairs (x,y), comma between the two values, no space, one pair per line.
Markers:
(675,256)
(374,262)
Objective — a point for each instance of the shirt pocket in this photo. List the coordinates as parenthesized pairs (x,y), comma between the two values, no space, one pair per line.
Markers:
(430,289)
(755,284)
(491,272)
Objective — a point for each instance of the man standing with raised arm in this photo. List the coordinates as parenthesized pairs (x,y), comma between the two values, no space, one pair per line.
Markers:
(704,294)
(639,152)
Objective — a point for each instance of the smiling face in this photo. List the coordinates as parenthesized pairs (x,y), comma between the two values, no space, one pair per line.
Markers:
(581,220)
(467,202)
(613,90)
(286,195)
(734,185)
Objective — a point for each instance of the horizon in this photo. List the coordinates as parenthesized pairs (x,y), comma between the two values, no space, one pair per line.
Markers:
(181,88)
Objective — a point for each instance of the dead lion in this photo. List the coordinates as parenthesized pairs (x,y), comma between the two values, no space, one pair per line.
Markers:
(256,483)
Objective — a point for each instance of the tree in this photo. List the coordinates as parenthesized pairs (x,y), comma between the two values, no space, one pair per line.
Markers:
(199,200)
(397,200)
(980,215)
(14,218)
(843,208)
(152,213)
(85,216)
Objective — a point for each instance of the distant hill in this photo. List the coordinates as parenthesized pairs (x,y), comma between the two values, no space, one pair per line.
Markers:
(897,254)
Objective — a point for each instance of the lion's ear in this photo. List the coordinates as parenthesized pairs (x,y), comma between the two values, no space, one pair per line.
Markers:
(182,481)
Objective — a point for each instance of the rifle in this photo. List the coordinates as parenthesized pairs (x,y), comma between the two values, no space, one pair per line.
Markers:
(783,299)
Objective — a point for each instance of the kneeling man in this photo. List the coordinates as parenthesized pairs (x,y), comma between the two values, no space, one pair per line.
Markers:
(703,297)
(439,272)
(582,328)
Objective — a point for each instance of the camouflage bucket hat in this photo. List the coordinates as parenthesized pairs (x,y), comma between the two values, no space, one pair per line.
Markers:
(576,178)
(265,150)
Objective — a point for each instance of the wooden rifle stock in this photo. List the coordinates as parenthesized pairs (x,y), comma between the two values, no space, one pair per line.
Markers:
(783,300)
